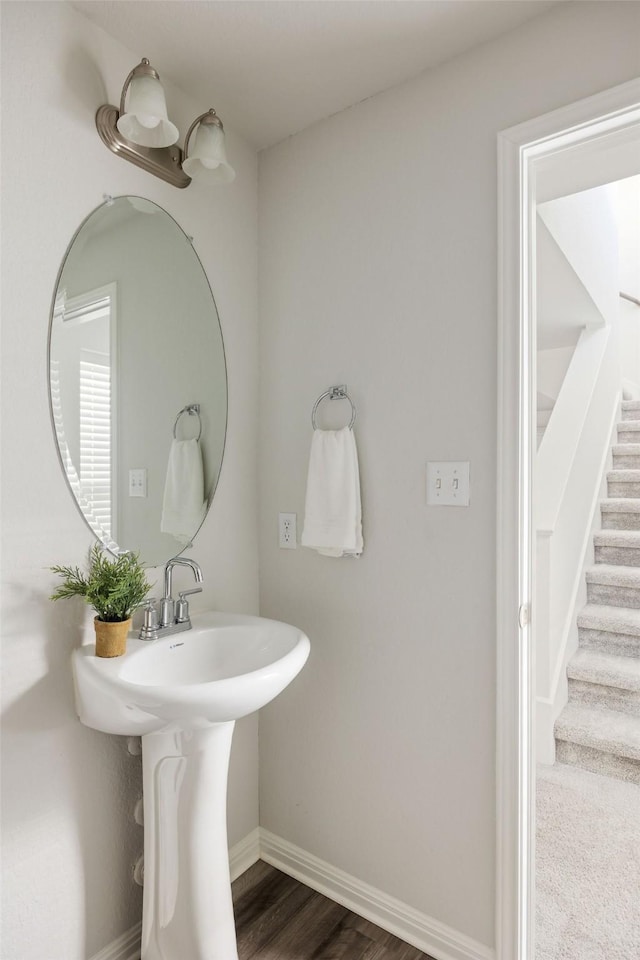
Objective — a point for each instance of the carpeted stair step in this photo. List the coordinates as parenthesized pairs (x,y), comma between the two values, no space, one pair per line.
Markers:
(602,681)
(626,456)
(623,483)
(603,741)
(629,431)
(631,409)
(614,630)
(619,547)
(613,586)
(620,514)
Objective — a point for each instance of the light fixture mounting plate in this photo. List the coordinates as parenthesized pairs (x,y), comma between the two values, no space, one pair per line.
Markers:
(163,162)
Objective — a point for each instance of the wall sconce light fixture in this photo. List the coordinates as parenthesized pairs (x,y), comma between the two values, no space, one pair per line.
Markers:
(144,135)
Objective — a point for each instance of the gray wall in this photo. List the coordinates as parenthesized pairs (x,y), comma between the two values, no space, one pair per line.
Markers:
(378,269)
(69,841)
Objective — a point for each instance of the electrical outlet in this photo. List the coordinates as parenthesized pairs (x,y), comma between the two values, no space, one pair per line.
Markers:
(287,534)
(138,482)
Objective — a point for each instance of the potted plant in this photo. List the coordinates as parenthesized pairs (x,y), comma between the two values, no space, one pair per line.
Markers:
(113,587)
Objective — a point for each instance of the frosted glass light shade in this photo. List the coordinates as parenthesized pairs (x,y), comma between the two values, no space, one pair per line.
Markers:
(146,122)
(208,159)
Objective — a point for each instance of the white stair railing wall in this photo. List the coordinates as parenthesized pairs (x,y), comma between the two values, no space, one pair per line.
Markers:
(574,452)
(630,348)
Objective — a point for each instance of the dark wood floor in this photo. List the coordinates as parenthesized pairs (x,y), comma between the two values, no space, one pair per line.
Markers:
(278,918)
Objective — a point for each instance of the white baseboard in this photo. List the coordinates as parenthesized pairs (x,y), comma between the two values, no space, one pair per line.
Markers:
(418,929)
(244,854)
(126,947)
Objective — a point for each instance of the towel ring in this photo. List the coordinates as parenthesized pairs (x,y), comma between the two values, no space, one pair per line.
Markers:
(334,393)
(193,409)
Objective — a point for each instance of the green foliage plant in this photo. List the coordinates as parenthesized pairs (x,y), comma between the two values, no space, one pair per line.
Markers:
(112,587)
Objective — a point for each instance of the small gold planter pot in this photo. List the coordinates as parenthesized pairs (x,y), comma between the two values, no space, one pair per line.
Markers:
(111,638)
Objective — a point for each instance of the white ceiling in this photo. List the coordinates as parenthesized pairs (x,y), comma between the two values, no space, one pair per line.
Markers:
(273,67)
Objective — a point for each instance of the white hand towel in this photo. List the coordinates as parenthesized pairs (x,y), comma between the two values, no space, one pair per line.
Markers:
(183,505)
(333,512)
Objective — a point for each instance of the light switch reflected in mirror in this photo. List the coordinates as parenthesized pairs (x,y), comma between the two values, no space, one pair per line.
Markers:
(134,339)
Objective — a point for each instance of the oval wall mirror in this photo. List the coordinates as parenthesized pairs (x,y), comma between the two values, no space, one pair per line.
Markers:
(138,381)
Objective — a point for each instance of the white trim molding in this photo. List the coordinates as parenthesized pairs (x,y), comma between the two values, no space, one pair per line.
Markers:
(244,854)
(126,947)
(418,929)
(520,150)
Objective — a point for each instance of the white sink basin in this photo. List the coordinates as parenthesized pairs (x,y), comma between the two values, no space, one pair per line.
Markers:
(183,694)
(224,668)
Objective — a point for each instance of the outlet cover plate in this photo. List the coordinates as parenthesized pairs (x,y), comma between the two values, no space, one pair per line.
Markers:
(448,483)
(138,482)
(287,532)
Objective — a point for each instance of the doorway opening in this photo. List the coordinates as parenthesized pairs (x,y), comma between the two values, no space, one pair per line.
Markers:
(572,141)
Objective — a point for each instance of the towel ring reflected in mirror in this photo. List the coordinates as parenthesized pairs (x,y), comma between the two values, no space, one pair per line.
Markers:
(192,409)
(334,393)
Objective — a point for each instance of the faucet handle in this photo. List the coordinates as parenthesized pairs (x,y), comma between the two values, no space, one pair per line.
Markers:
(144,603)
(182,605)
(149,630)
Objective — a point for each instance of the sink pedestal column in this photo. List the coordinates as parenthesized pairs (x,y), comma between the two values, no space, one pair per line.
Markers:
(187,906)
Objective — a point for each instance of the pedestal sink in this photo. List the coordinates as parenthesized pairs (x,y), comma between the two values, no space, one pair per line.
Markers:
(182,694)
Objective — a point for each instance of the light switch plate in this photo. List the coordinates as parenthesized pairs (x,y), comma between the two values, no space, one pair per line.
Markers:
(448,483)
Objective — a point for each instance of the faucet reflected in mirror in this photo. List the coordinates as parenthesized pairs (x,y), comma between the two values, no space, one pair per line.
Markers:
(174,616)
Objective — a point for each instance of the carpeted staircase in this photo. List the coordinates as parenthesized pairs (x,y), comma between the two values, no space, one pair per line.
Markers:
(599,729)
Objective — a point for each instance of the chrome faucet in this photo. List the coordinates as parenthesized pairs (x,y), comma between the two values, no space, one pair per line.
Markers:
(167,603)
(174,616)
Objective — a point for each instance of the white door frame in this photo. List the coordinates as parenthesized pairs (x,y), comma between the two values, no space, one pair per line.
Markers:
(520,149)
